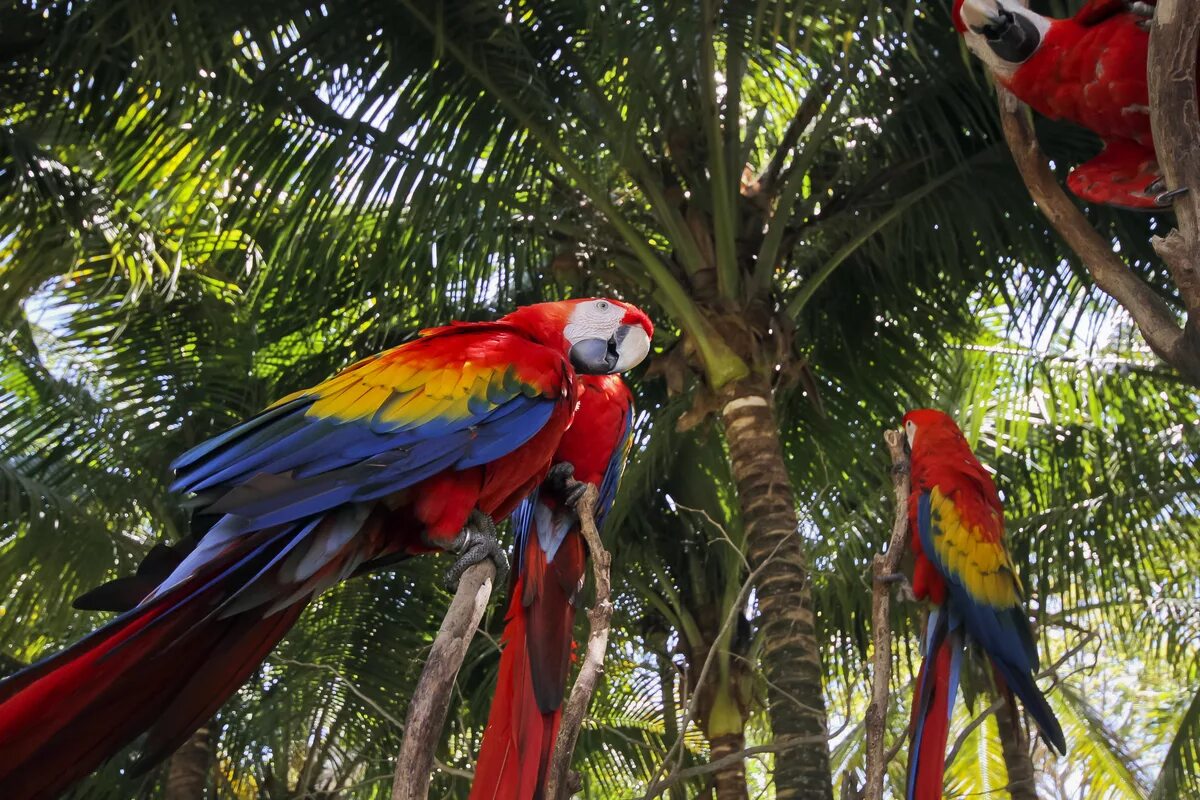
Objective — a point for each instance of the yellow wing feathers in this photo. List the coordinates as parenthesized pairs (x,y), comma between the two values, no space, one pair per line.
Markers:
(973,554)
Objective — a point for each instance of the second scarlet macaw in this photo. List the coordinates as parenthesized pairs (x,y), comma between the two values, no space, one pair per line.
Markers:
(550,558)
(964,569)
(418,448)
(1090,70)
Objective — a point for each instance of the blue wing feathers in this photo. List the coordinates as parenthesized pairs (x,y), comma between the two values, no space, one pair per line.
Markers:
(1003,633)
(250,425)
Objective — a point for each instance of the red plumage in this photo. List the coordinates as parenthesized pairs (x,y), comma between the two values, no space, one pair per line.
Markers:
(1090,70)
(535,662)
(931,715)
(386,459)
(963,567)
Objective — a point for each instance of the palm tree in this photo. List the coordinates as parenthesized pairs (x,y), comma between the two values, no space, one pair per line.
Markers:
(806,196)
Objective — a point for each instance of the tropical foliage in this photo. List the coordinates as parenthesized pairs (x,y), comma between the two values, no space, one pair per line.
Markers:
(202,211)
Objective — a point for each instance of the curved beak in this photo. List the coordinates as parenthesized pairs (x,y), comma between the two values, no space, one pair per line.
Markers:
(623,350)
(632,346)
(1012,37)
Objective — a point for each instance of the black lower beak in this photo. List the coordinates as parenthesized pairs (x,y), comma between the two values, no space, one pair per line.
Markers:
(595,356)
(1014,38)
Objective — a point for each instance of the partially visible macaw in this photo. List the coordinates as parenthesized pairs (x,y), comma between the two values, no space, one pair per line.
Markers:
(550,557)
(419,448)
(1089,69)
(964,569)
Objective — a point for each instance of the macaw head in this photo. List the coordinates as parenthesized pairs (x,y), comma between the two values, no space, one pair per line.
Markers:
(601,336)
(927,428)
(1002,33)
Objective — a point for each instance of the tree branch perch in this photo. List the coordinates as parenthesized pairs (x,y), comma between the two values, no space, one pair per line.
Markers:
(431,698)
(1175,122)
(882,568)
(1154,318)
(559,778)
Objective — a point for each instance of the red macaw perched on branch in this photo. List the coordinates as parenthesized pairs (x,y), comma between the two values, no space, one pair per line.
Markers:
(963,567)
(421,447)
(550,555)
(1089,69)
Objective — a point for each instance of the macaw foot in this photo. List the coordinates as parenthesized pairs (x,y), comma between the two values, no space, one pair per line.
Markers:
(1163,198)
(475,542)
(1143,10)
(561,480)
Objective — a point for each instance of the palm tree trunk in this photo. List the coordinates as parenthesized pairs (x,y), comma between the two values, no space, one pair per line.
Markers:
(187,772)
(729,783)
(1015,745)
(791,656)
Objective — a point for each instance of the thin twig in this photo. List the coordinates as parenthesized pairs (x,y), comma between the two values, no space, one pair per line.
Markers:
(884,567)
(599,622)
(676,752)
(431,698)
(375,706)
(778,746)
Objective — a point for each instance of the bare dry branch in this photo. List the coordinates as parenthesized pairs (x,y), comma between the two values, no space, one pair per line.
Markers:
(778,746)
(431,698)
(1175,121)
(883,568)
(1154,318)
(768,182)
(558,779)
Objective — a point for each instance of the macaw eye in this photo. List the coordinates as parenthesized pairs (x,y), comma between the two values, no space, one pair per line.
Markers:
(601,305)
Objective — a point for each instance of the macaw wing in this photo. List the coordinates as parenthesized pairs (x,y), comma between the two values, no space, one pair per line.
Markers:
(1096,11)
(982,582)
(457,398)
(616,467)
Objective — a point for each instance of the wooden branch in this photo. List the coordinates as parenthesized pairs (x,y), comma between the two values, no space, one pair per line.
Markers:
(768,182)
(884,567)
(1154,318)
(431,698)
(559,783)
(1175,121)
(779,746)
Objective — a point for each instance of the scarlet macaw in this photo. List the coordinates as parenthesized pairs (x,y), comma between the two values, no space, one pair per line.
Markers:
(418,448)
(964,569)
(1089,69)
(550,554)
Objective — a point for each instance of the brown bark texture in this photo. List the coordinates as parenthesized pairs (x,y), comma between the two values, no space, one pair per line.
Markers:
(883,568)
(431,697)
(190,766)
(1175,120)
(559,783)
(791,655)
(1017,761)
(729,783)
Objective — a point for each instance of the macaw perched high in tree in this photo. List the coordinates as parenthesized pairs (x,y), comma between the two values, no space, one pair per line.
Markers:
(964,569)
(419,448)
(1089,69)
(550,556)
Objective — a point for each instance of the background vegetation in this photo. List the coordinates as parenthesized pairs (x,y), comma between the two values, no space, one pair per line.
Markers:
(202,210)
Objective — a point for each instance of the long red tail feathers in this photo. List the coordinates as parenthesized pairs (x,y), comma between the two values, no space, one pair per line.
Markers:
(937,686)
(516,727)
(166,666)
